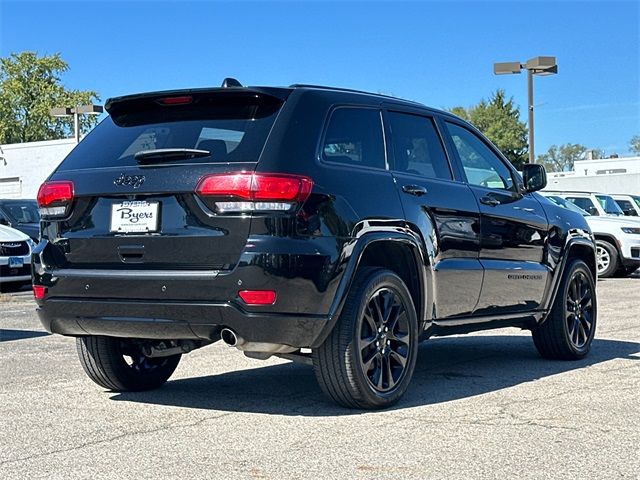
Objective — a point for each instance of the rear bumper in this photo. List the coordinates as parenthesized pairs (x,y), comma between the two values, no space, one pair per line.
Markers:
(173,320)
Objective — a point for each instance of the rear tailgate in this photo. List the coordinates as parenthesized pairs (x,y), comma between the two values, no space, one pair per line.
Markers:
(131,214)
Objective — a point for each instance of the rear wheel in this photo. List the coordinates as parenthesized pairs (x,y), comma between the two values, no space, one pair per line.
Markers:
(568,331)
(368,359)
(119,364)
(607,258)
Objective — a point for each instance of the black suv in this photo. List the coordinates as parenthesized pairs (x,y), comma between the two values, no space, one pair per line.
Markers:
(333,227)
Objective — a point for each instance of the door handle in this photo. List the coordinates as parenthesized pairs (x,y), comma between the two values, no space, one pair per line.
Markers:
(492,202)
(416,190)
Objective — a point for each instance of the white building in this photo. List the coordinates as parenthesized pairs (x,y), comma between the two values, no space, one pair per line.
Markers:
(24,166)
(607,175)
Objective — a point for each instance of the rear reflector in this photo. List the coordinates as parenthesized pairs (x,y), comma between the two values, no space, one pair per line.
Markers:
(258,297)
(39,291)
(242,192)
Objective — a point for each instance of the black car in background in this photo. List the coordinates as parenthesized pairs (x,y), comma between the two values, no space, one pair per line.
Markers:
(22,215)
(329,226)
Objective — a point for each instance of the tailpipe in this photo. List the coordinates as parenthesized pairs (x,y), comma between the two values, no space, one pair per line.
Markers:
(232,339)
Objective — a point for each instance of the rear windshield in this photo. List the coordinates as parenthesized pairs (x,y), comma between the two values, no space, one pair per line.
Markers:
(229,131)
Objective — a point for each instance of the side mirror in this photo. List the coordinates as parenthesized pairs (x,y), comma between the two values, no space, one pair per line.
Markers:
(631,212)
(4,221)
(593,211)
(534,176)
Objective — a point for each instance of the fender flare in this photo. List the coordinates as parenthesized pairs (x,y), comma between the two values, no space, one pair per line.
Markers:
(578,239)
(350,267)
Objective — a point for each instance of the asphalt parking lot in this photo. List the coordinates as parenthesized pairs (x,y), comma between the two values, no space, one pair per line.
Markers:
(480,406)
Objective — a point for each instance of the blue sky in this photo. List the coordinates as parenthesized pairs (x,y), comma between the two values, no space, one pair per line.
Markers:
(436,52)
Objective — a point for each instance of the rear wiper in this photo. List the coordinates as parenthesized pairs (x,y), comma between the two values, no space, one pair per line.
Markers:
(170,154)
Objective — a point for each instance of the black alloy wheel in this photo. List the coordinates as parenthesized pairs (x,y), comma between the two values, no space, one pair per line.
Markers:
(120,365)
(579,309)
(384,340)
(568,331)
(368,359)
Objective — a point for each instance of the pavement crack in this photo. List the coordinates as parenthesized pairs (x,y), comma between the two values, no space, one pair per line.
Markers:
(114,438)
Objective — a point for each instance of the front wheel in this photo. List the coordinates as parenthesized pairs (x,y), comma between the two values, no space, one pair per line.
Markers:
(369,358)
(607,259)
(119,364)
(568,331)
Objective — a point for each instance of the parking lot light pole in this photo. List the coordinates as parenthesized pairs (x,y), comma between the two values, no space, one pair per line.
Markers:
(75,112)
(534,66)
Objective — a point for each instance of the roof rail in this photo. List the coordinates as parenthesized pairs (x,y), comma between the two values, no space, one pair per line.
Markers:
(351,90)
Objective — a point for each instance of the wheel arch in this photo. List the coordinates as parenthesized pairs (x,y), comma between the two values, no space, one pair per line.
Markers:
(609,239)
(581,247)
(395,251)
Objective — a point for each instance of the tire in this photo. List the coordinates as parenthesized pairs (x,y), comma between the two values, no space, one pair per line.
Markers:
(359,365)
(607,259)
(626,271)
(568,331)
(104,360)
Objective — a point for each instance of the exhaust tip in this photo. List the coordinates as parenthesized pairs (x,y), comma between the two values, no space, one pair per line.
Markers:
(229,337)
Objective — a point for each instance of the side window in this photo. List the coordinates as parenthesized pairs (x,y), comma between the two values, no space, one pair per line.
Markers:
(481,166)
(354,137)
(585,204)
(416,146)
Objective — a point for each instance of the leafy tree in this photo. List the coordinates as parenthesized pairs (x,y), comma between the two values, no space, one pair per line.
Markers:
(499,119)
(561,158)
(30,86)
(634,144)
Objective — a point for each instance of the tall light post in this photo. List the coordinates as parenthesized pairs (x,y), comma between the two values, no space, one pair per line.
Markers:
(75,112)
(534,66)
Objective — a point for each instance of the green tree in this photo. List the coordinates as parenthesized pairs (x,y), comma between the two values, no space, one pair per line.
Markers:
(634,144)
(561,158)
(499,119)
(30,86)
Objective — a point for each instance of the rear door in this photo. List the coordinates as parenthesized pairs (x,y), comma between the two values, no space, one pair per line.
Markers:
(132,211)
(513,228)
(432,198)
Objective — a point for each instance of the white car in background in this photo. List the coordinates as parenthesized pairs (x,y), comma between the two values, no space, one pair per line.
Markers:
(596,204)
(15,258)
(617,239)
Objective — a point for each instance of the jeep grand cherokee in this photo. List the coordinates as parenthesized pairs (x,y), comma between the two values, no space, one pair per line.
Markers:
(329,226)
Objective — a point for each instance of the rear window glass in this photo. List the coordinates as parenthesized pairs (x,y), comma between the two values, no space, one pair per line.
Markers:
(229,132)
(354,137)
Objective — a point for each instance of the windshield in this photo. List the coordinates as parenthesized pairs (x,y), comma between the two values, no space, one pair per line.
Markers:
(609,205)
(567,204)
(25,211)
(226,132)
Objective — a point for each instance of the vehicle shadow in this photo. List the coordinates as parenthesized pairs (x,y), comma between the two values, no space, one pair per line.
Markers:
(8,335)
(447,369)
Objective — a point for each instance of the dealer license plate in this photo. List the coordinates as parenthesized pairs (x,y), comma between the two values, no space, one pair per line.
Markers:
(134,217)
(16,262)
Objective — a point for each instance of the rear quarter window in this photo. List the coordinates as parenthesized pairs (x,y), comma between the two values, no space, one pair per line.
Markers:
(354,137)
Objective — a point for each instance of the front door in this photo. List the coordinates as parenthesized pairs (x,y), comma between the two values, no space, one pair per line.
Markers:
(513,229)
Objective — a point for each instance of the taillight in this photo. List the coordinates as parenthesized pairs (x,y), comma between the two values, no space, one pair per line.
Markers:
(258,297)
(242,192)
(54,198)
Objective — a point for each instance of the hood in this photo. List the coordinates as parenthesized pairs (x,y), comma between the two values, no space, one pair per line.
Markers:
(8,234)
(612,220)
